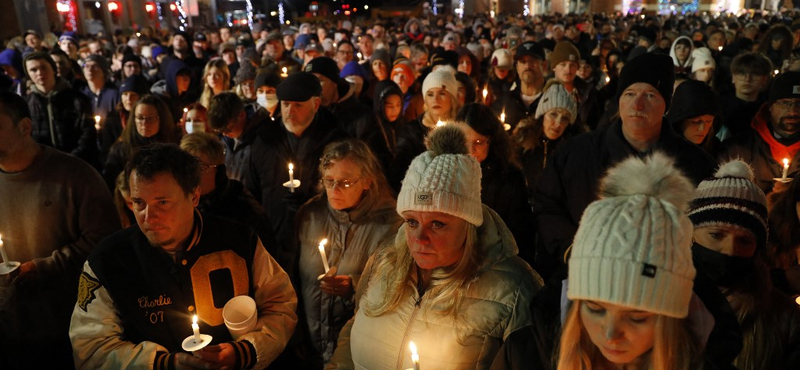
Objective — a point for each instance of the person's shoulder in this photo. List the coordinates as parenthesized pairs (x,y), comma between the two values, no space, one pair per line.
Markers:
(117,244)
(64,163)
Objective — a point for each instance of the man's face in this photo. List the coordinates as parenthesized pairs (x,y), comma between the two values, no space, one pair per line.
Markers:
(785,114)
(565,71)
(33,41)
(558,33)
(366,45)
(529,70)
(131,68)
(62,64)
(297,115)
(95,48)
(229,57)
(344,55)
(235,126)
(179,43)
(41,73)
(749,83)
(68,47)
(92,71)
(641,108)
(11,135)
(716,40)
(329,90)
(274,48)
(420,61)
(224,34)
(164,212)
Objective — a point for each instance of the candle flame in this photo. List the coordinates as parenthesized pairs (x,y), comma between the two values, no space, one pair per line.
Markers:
(322,243)
(185,110)
(194,319)
(775,71)
(506,127)
(503,117)
(608,79)
(412,347)
(786,161)
(291,167)
(719,48)
(440,123)
(485,93)
(97,119)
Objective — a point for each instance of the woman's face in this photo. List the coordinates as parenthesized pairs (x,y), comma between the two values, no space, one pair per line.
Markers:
(462,93)
(437,102)
(465,64)
(501,73)
(435,239)
(214,79)
(147,120)
(478,144)
(727,239)
(195,122)
(704,74)
(621,334)
(392,107)
(681,52)
(696,129)
(555,123)
(344,184)
(129,99)
(380,70)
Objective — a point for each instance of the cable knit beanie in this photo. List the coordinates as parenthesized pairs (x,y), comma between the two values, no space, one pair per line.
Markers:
(633,246)
(556,96)
(444,77)
(731,198)
(445,178)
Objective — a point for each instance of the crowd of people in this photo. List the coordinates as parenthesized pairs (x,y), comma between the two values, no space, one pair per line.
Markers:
(546,192)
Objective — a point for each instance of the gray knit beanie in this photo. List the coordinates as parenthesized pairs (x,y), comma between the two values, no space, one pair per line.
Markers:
(633,246)
(556,96)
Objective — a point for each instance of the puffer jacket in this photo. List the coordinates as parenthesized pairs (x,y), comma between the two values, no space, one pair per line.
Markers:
(352,237)
(63,119)
(495,305)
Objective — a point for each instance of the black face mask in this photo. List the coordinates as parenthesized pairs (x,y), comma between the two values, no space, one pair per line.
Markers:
(722,269)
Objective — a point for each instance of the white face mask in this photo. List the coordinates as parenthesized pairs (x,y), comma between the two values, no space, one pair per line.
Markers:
(195,126)
(268,101)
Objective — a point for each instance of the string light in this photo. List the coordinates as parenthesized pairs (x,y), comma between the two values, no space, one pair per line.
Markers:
(281,13)
(460,9)
(249,14)
(435,8)
(160,14)
(65,6)
(182,15)
(525,10)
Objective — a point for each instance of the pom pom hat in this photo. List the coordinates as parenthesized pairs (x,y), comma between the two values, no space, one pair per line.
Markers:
(445,178)
(633,246)
(731,198)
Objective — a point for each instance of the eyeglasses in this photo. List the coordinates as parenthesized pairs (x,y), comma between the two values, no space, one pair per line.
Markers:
(205,167)
(787,103)
(331,183)
(146,118)
(344,52)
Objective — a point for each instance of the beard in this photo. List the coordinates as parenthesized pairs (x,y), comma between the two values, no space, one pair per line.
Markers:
(792,128)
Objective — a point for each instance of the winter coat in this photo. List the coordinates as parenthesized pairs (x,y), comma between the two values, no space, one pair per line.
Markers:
(737,114)
(271,152)
(352,237)
(513,106)
(357,120)
(410,144)
(570,181)
(105,102)
(505,193)
(495,304)
(754,147)
(63,119)
(167,89)
(237,151)
(111,131)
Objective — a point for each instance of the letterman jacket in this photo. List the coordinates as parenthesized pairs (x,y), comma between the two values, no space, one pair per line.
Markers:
(135,305)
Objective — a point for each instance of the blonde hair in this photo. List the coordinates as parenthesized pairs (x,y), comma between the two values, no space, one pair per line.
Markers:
(394,267)
(674,348)
(208,92)
(455,106)
(205,143)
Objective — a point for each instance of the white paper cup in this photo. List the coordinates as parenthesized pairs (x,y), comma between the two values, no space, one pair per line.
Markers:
(240,315)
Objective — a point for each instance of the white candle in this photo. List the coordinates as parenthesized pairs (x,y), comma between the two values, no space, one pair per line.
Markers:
(3,252)
(291,177)
(414,355)
(785,170)
(97,123)
(284,72)
(196,330)
(322,254)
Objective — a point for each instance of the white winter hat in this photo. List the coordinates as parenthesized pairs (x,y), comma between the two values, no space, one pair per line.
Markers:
(633,246)
(701,58)
(556,96)
(445,178)
(444,77)
(502,58)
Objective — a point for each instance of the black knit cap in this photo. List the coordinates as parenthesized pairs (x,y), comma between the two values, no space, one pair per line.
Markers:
(268,77)
(324,66)
(299,86)
(131,58)
(654,69)
(785,86)
(135,84)
(444,57)
(692,98)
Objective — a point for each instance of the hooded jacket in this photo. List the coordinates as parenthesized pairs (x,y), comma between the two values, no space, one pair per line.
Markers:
(495,304)
(62,118)
(686,66)
(352,238)
(167,89)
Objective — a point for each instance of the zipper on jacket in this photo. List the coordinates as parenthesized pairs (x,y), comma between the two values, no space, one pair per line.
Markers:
(544,161)
(404,342)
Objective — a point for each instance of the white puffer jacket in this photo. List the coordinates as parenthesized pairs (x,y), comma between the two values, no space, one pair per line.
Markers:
(495,305)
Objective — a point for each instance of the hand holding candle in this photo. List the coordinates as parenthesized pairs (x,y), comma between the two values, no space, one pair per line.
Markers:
(196,341)
(440,123)
(323,255)
(291,177)
(414,355)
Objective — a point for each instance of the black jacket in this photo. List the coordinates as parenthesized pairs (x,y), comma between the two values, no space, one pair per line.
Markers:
(512,105)
(571,178)
(270,154)
(358,120)
(70,112)
(505,193)
(237,152)
(410,144)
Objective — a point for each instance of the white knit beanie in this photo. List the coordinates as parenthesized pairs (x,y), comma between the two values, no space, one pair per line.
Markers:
(701,58)
(445,178)
(444,77)
(502,58)
(633,246)
(556,96)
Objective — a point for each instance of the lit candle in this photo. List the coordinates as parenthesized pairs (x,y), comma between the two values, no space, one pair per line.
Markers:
(775,72)
(359,56)
(322,254)
(97,123)
(485,94)
(3,252)
(785,169)
(608,79)
(284,72)
(196,330)
(440,123)
(291,177)
(719,48)
(414,355)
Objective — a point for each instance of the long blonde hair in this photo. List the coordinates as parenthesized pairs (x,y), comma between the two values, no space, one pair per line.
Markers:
(674,348)
(208,92)
(394,267)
